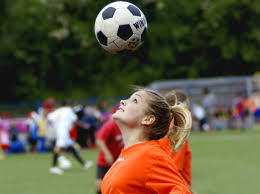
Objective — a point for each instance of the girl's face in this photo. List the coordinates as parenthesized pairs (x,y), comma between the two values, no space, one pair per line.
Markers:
(132,110)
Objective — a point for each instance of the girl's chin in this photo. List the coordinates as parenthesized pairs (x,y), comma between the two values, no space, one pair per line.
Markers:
(116,115)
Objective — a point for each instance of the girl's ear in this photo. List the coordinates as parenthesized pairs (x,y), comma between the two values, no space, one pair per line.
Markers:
(148,120)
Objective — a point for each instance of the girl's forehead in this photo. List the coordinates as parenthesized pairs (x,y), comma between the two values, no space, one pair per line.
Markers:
(141,94)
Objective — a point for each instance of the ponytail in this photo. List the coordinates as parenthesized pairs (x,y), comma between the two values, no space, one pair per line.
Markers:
(182,121)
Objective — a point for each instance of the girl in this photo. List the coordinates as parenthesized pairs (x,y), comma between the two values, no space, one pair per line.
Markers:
(143,166)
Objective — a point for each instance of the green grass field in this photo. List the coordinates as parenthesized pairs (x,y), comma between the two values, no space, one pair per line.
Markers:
(224,162)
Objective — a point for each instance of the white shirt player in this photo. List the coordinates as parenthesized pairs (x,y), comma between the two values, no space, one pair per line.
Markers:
(62,120)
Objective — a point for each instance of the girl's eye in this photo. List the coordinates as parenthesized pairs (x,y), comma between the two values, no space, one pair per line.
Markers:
(135,100)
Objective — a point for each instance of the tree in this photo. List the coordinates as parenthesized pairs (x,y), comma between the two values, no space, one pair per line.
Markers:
(49,47)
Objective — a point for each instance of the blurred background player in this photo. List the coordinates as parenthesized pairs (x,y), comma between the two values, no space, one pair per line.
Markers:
(200,116)
(80,132)
(109,141)
(182,159)
(63,120)
(209,103)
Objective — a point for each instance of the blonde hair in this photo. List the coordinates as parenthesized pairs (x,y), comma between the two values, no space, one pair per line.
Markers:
(182,120)
(164,112)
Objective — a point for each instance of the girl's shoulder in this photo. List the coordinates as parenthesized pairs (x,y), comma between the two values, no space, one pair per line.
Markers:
(155,151)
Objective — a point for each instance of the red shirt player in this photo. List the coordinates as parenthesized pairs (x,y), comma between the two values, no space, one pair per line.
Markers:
(109,141)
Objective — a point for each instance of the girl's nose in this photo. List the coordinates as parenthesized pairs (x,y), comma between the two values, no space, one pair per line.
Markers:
(122,102)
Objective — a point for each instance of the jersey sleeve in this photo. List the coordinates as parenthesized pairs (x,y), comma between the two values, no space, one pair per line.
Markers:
(105,131)
(163,177)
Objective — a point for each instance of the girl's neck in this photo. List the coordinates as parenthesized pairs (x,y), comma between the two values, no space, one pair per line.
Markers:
(132,136)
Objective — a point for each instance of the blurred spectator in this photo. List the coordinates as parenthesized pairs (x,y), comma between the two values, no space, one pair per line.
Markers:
(101,107)
(5,115)
(230,117)
(104,114)
(256,99)
(91,118)
(200,116)
(80,133)
(101,116)
(33,130)
(250,109)
(4,140)
(250,106)
(221,116)
(42,132)
(22,131)
(49,104)
(16,145)
(209,102)
(239,111)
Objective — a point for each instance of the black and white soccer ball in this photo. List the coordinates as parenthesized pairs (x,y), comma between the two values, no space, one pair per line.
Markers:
(120,26)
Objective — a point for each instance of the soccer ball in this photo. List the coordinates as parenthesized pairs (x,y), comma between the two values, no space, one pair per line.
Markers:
(64,163)
(120,26)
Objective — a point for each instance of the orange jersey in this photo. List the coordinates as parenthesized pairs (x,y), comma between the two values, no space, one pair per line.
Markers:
(182,159)
(144,168)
